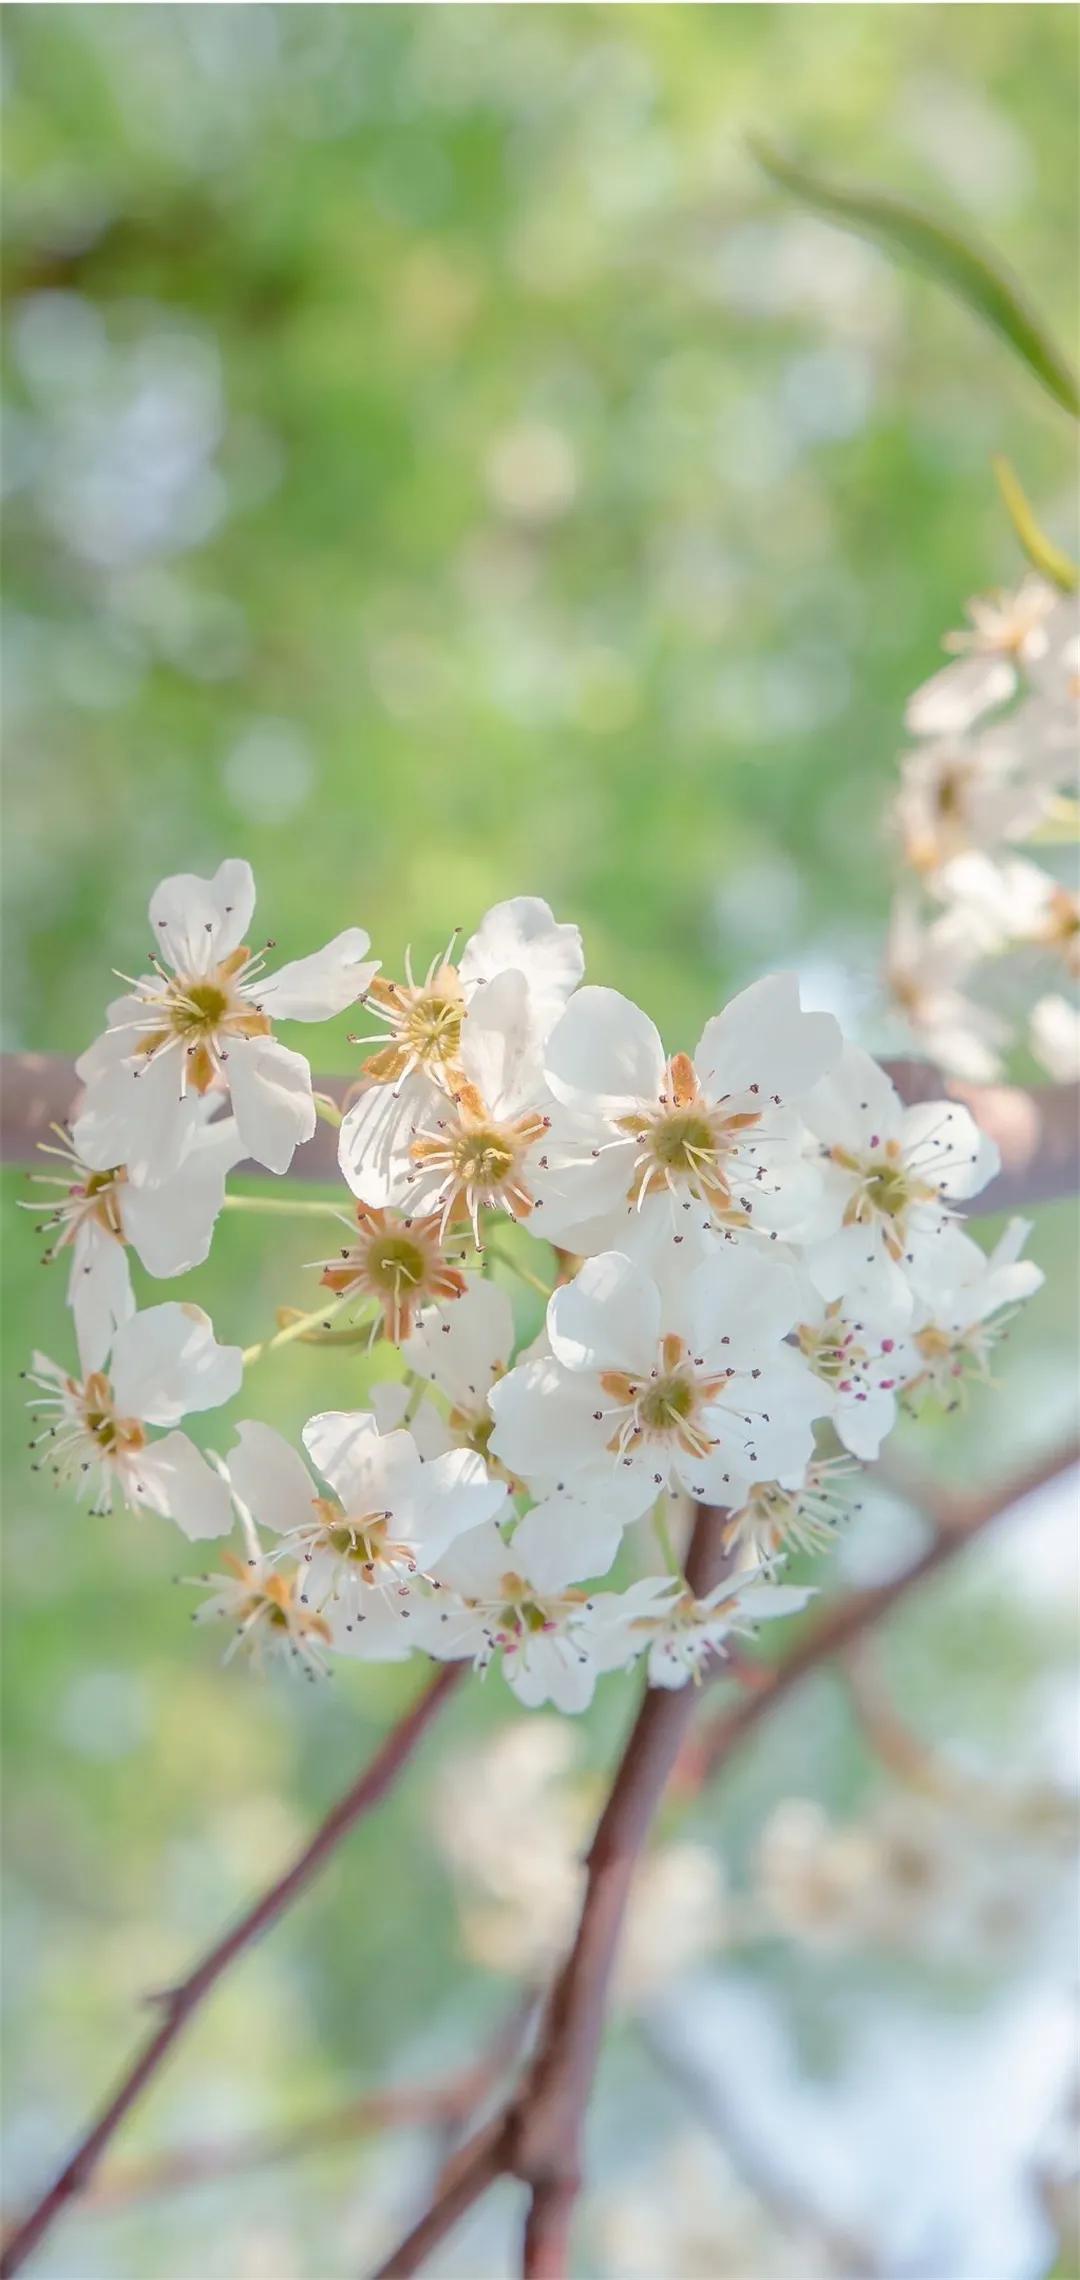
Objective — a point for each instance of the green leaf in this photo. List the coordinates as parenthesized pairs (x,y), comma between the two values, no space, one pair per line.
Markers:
(966,269)
(1040,550)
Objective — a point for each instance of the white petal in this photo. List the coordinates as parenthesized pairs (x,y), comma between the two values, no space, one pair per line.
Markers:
(1010,1243)
(373,1629)
(166,1362)
(768,1602)
(554,1669)
(740,1304)
(173,1478)
(128,1021)
(133,1114)
(764,1039)
(463,1346)
(475,1564)
(366,1467)
(99,1293)
(953,699)
(864,1420)
(763,1430)
(390,1400)
(725,1476)
(271,1095)
(373,1143)
(522,934)
(562,1539)
(608,1318)
(854,1265)
(195,923)
(314,988)
(544,1420)
(449,1495)
(583,1178)
(854,1104)
(500,1046)
(171,1222)
(948,1149)
(604,1052)
(270,1479)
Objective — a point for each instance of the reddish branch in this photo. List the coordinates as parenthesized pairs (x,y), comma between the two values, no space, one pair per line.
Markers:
(179,2003)
(959,1520)
(445,2105)
(538,2136)
(1037,1127)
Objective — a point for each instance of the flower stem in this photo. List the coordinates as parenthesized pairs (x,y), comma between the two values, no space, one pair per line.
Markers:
(298,1207)
(492,1251)
(417,1390)
(671,1560)
(320,1317)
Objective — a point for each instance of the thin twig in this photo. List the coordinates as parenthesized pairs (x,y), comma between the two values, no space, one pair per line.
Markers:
(538,2136)
(960,1520)
(179,2003)
(448,2103)
(299,1326)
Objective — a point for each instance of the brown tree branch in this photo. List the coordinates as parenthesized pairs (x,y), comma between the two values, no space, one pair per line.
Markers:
(446,2104)
(1037,1127)
(180,2002)
(959,1520)
(538,2137)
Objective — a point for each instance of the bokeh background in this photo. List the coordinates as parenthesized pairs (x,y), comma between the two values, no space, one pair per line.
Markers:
(438,466)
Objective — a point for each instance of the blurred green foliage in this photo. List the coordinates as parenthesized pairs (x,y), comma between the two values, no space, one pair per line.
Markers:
(439,467)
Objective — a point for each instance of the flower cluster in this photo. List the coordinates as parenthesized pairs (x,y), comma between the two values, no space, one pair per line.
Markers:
(980,817)
(752,1254)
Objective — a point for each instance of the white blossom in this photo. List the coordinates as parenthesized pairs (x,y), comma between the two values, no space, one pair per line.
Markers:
(391,1518)
(96,1212)
(691,1387)
(453,1154)
(957,793)
(796,1515)
(427,1055)
(966,1297)
(925,966)
(463,1350)
(752,1241)
(488,1602)
(165,1362)
(269,1619)
(646,1147)
(399,1263)
(890,1176)
(1008,902)
(1008,635)
(682,1634)
(861,1364)
(201,1022)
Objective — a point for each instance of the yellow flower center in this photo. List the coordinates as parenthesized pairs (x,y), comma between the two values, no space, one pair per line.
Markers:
(392,1260)
(432,1027)
(481,1159)
(197,1007)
